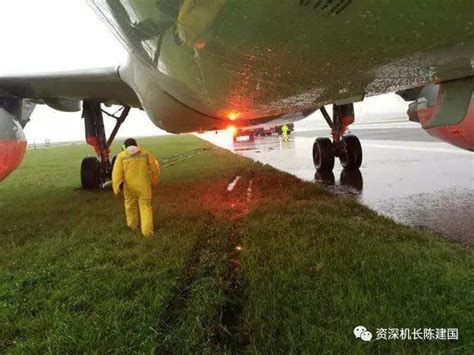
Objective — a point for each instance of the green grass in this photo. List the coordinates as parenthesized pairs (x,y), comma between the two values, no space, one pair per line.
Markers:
(313,265)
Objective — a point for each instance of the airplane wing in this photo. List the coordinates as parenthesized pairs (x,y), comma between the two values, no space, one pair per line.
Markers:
(61,90)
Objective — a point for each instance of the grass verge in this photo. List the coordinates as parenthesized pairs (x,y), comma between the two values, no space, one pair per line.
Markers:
(276,265)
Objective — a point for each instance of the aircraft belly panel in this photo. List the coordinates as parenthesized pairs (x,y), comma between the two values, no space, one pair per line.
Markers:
(267,57)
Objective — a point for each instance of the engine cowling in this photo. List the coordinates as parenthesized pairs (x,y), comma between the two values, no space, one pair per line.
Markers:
(12,144)
(460,135)
(446,112)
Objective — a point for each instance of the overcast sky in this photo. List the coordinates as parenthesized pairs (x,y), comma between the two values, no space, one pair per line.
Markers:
(52,35)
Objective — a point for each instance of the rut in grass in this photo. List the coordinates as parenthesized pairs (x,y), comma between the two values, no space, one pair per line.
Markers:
(230,335)
(183,156)
(180,294)
(215,255)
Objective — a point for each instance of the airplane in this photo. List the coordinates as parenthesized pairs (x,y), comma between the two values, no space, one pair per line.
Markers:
(203,65)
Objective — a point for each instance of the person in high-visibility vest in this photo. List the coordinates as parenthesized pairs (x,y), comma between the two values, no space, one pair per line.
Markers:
(284,132)
(136,170)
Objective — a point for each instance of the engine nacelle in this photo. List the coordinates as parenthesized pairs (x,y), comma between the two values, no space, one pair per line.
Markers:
(446,111)
(12,143)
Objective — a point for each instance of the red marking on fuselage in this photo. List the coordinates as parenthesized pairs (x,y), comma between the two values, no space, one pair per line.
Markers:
(11,155)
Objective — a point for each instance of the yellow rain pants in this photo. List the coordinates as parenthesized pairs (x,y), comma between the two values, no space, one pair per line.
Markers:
(138,173)
(284,133)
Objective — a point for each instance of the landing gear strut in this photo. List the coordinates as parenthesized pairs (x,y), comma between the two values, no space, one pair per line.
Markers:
(96,171)
(346,148)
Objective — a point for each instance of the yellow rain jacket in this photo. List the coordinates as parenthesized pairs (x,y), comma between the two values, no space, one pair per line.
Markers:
(138,171)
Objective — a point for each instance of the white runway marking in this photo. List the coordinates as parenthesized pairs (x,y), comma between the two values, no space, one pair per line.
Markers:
(414,148)
(231,186)
(249,191)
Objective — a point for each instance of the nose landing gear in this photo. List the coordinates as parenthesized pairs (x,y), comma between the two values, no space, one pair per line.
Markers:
(347,148)
(96,171)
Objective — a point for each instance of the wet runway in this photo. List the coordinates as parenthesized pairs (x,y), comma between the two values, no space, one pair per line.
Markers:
(406,174)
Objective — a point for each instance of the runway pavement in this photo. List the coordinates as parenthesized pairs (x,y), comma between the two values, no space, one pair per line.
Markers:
(406,174)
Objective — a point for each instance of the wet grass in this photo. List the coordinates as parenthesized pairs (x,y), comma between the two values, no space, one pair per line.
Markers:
(312,266)
(326,264)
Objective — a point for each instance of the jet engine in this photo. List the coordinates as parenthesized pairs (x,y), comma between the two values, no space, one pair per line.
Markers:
(13,114)
(445,111)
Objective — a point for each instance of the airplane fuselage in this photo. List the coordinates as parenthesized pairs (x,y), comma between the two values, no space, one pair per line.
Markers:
(210,60)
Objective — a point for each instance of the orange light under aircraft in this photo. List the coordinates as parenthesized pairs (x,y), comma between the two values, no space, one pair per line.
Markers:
(200,44)
(233,115)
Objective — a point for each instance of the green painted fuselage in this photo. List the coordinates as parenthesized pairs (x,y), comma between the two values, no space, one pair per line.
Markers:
(256,59)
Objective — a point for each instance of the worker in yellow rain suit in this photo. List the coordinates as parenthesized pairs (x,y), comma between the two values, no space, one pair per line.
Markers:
(284,133)
(137,171)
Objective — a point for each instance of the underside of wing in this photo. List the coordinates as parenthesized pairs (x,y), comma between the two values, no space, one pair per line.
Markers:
(64,90)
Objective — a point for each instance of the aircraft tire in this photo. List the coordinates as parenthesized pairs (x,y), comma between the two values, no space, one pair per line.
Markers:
(323,154)
(90,173)
(350,154)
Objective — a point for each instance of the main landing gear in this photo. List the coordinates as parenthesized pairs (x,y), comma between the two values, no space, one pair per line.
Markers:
(346,148)
(97,170)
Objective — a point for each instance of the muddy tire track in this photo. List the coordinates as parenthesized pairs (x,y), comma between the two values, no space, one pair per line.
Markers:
(170,161)
(180,293)
(228,207)
(231,336)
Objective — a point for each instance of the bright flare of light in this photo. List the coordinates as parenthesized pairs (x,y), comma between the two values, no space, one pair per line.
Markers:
(233,115)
